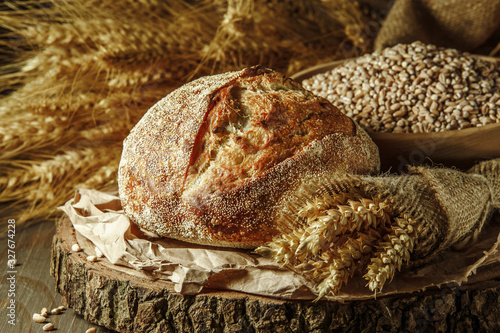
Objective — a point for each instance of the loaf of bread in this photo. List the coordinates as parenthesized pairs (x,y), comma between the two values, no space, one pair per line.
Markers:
(211,161)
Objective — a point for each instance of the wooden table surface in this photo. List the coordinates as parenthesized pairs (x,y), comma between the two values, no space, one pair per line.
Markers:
(32,286)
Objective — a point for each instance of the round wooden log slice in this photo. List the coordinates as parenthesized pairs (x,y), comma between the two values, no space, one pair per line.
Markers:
(125,302)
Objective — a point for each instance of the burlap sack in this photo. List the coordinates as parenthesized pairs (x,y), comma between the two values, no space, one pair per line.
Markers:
(464,25)
(449,206)
(491,171)
(426,211)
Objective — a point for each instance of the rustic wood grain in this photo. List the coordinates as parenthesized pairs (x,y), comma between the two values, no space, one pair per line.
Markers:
(128,303)
(34,286)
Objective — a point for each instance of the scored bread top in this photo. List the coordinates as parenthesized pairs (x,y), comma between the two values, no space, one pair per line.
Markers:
(211,162)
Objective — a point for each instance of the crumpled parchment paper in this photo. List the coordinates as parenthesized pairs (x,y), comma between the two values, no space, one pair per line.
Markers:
(99,219)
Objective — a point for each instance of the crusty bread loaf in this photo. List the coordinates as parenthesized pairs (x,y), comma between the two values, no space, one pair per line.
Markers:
(210,162)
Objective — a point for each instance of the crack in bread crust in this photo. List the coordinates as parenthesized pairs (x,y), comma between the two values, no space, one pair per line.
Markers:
(255,124)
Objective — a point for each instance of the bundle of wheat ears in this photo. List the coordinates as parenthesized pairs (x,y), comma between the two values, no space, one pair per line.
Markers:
(77,75)
(336,228)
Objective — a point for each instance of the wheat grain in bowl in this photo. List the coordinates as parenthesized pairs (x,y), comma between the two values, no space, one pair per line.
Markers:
(414,88)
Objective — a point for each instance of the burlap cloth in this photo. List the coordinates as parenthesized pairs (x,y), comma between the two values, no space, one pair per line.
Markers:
(460,24)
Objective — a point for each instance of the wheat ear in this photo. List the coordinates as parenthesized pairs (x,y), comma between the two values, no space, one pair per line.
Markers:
(340,214)
(391,253)
(343,262)
(339,236)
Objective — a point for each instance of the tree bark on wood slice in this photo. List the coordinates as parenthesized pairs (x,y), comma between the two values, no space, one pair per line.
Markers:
(108,296)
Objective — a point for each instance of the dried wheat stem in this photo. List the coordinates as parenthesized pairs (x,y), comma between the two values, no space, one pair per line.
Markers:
(340,234)
(282,250)
(391,253)
(111,130)
(35,181)
(103,176)
(30,133)
(332,216)
(39,187)
(344,262)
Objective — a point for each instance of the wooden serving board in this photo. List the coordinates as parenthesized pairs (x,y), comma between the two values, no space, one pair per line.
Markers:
(120,300)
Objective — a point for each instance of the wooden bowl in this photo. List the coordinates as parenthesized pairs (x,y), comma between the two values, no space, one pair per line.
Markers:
(454,148)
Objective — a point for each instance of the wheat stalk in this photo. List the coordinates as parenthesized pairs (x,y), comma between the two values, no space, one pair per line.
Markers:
(391,253)
(33,132)
(341,215)
(283,35)
(344,234)
(341,263)
(38,177)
